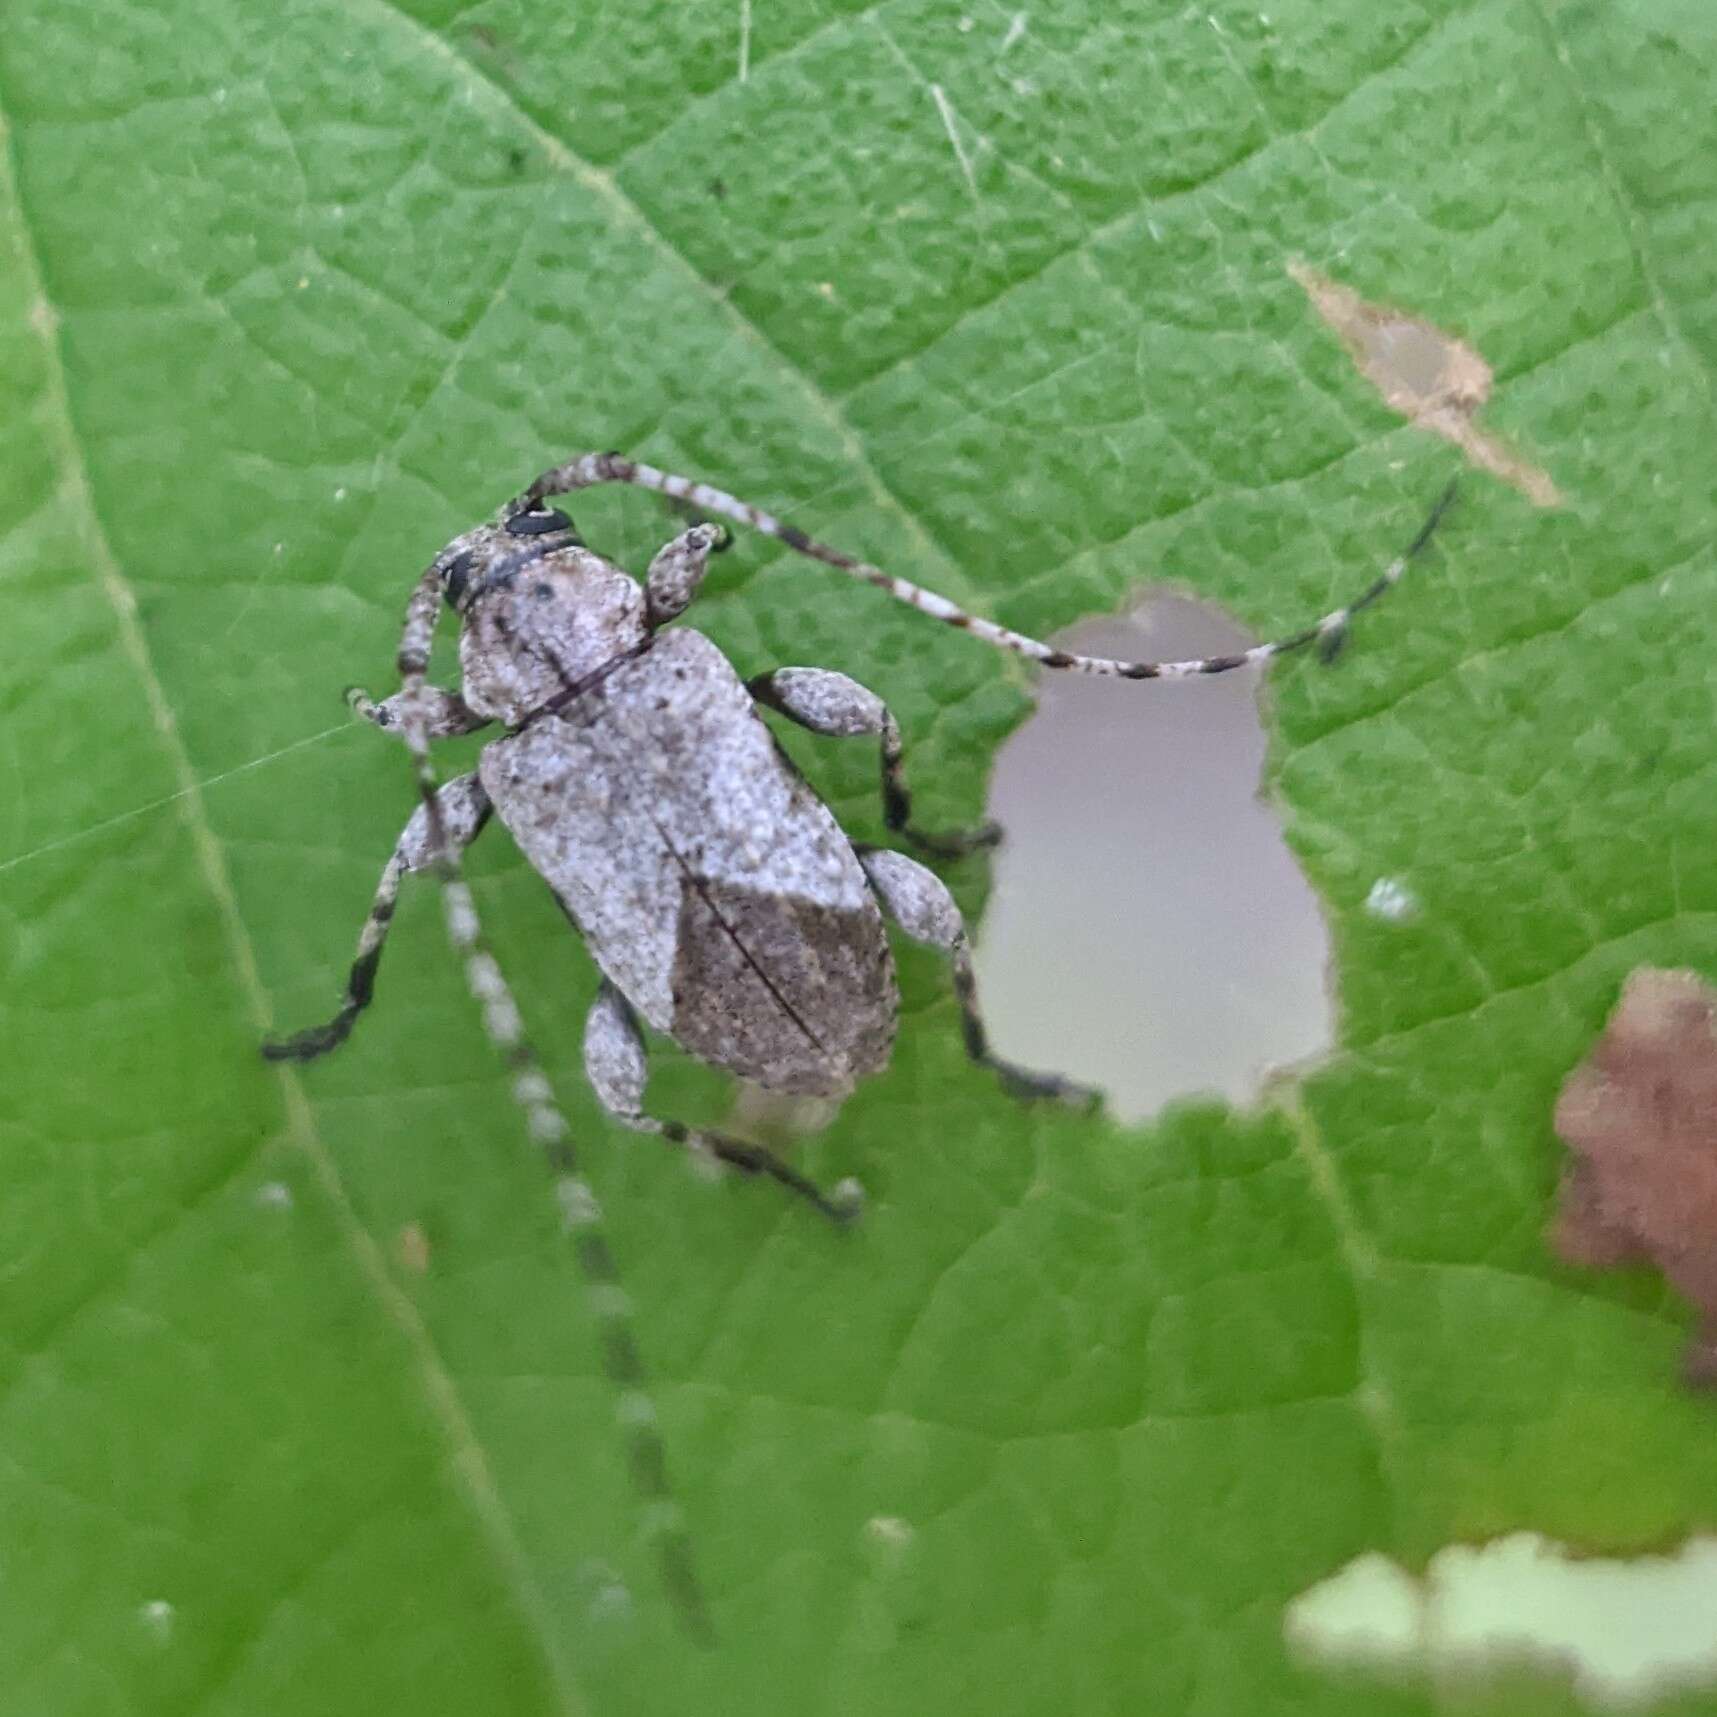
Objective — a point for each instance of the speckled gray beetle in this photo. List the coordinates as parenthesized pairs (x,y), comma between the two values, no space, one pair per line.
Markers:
(716,892)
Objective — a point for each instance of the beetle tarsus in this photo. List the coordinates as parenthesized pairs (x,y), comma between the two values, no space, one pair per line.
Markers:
(314,1041)
(954,843)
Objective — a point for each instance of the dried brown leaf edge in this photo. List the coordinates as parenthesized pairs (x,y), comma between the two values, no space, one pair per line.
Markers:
(1639,1115)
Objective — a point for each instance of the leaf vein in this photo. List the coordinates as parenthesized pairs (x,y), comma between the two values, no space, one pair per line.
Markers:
(470,1463)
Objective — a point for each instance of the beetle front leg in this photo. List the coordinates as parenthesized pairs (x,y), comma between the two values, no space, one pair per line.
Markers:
(464,811)
(615,1066)
(833,705)
(446,714)
(919,902)
(678,570)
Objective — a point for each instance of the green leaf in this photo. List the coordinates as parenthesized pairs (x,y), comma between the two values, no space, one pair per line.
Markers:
(301,1407)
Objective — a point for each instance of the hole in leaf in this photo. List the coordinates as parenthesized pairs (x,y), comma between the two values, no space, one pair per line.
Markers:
(1624,1630)
(1149,931)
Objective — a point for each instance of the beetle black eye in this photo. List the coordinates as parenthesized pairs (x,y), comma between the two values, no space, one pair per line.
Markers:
(538,524)
(453,579)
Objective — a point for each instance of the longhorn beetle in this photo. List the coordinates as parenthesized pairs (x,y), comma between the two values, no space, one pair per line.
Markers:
(716,892)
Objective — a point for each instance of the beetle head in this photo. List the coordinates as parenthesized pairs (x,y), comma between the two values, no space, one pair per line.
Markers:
(493,555)
(537,611)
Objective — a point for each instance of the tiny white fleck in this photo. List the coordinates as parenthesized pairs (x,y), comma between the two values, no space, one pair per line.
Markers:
(635,1409)
(1016,29)
(340,493)
(220,96)
(663,1519)
(274,1195)
(1391,899)
(966,25)
(577,1202)
(889,1529)
(157,1616)
(303,281)
(546,1126)
(1024,86)
(703,1164)
(610,1598)
(280,548)
(611,1601)
(849,1194)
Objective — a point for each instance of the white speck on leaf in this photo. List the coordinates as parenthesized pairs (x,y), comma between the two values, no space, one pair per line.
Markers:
(889,1529)
(157,1617)
(610,1598)
(1391,900)
(274,1195)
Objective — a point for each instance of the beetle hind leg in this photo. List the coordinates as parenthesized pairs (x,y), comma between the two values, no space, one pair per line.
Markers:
(919,902)
(614,1063)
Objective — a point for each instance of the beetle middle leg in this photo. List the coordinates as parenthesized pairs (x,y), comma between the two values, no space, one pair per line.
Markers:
(919,902)
(833,705)
(614,1065)
(464,810)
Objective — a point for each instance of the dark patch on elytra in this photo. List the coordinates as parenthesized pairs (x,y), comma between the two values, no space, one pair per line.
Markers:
(781,990)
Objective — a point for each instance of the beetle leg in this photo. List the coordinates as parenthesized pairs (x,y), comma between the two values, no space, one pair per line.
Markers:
(614,1065)
(446,714)
(582,1219)
(919,902)
(464,810)
(678,570)
(833,705)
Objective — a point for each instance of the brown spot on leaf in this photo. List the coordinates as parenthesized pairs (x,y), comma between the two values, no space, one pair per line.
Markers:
(1434,380)
(1640,1115)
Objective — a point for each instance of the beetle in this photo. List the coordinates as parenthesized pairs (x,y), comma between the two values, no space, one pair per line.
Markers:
(720,899)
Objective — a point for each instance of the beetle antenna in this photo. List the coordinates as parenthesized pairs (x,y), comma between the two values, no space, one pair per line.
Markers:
(581,1213)
(1328,633)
